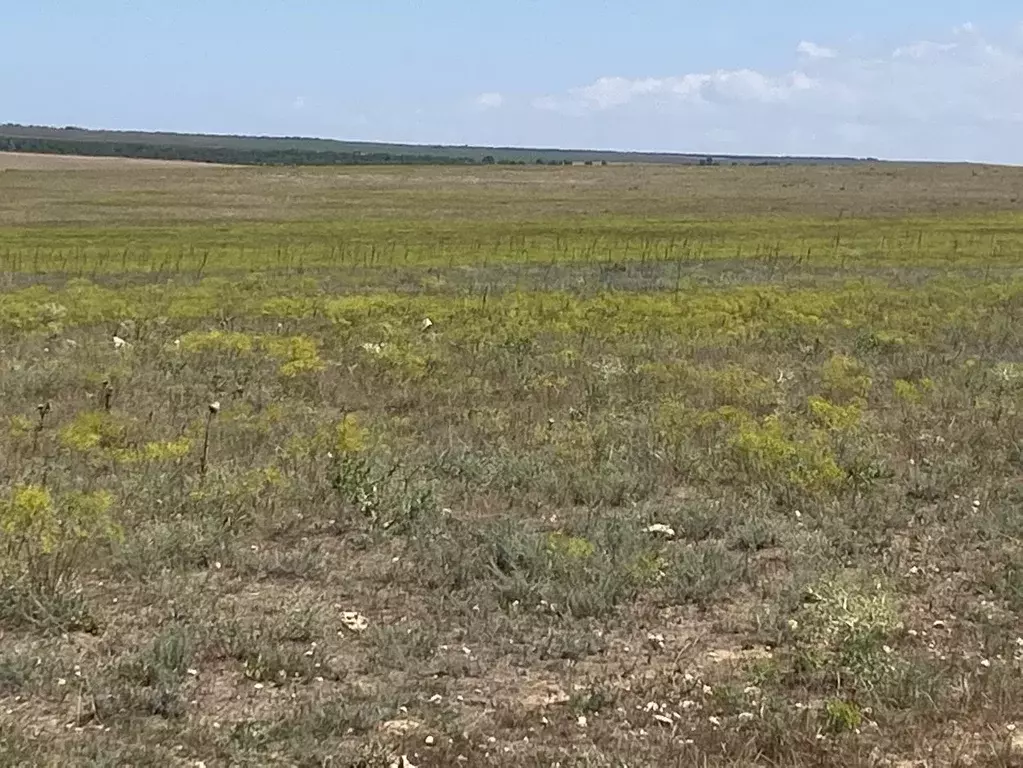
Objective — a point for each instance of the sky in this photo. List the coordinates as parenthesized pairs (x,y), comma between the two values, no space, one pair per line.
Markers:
(913,79)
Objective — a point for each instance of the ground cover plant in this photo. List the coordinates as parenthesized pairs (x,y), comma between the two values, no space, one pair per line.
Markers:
(545,466)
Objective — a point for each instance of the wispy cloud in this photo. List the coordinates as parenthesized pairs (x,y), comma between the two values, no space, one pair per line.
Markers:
(955,97)
(814,51)
(722,86)
(490,100)
(923,49)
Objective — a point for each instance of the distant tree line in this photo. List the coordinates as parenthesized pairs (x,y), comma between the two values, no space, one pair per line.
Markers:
(491,160)
(295,150)
(226,155)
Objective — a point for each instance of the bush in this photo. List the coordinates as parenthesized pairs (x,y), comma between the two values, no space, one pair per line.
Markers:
(44,545)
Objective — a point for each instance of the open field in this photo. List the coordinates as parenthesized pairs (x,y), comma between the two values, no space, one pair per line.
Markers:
(24,161)
(511,467)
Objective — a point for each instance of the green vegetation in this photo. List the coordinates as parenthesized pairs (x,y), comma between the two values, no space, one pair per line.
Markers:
(510,466)
(153,151)
(261,150)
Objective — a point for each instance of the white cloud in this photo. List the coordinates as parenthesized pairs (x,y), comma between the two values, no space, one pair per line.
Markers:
(723,86)
(951,98)
(814,51)
(923,49)
(491,100)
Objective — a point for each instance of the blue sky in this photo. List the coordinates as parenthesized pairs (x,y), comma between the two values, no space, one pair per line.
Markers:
(938,79)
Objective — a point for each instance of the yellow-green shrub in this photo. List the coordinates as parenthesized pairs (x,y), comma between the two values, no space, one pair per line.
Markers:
(572,548)
(296,354)
(800,460)
(92,430)
(221,342)
(836,418)
(157,451)
(845,379)
(350,436)
(42,534)
(107,435)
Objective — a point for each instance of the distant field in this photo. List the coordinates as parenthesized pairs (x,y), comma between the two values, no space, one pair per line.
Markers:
(21,161)
(641,196)
(499,466)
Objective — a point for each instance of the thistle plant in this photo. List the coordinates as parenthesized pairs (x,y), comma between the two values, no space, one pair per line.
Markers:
(211,414)
(108,395)
(43,409)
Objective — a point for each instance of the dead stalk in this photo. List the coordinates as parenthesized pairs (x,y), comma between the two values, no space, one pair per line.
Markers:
(43,410)
(211,414)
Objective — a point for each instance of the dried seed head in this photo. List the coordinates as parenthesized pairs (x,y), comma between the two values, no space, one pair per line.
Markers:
(215,407)
(44,408)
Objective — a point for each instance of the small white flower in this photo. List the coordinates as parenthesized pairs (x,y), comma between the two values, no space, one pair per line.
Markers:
(664,530)
(119,343)
(427,324)
(715,721)
(354,621)
(656,640)
(581,721)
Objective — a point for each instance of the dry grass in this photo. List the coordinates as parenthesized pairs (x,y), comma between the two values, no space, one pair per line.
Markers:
(612,508)
(24,161)
(179,192)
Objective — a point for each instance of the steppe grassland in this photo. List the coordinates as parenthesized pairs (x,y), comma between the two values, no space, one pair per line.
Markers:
(688,466)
